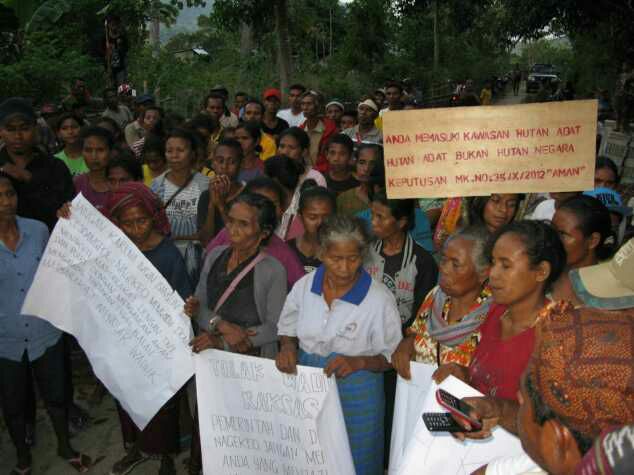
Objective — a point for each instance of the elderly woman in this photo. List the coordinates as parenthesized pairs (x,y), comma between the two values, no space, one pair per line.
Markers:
(241,289)
(140,215)
(446,329)
(340,319)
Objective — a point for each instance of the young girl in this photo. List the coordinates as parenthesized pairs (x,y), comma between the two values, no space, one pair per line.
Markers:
(315,205)
(68,131)
(96,148)
(248,135)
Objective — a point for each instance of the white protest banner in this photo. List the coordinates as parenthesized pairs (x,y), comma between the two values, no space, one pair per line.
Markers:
(95,284)
(475,151)
(256,420)
(440,454)
(408,407)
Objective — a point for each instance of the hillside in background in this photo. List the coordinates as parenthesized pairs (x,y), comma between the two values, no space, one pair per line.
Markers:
(187,21)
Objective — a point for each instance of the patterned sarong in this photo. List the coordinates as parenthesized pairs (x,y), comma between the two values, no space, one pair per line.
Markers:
(363,404)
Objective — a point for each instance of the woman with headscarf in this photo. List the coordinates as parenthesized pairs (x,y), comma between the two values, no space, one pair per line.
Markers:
(140,215)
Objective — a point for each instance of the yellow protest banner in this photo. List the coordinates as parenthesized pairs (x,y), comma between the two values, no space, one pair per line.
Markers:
(474,151)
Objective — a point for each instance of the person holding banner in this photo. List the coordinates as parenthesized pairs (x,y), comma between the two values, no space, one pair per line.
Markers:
(446,329)
(340,319)
(241,290)
(140,215)
(27,343)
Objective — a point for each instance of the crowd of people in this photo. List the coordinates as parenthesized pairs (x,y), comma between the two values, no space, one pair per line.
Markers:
(275,228)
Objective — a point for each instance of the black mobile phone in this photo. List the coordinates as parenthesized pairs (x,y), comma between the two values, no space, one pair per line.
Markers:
(457,407)
(441,422)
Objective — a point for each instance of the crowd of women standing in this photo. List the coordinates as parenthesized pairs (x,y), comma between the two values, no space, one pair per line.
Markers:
(302,257)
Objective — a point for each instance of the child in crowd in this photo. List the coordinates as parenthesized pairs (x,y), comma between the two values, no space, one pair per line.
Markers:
(339,156)
(68,130)
(357,199)
(315,205)
(348,120)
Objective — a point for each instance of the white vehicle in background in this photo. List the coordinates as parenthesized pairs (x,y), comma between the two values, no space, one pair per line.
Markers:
(541,73)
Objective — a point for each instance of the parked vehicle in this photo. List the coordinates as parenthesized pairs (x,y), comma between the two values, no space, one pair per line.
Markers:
(541,73)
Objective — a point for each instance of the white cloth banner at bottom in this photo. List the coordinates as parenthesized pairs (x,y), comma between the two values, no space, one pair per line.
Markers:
(441,454)
(256,420)
(408,407)
(95,284)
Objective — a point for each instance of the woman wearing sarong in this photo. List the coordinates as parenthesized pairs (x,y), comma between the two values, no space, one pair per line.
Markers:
(446,328)
(340,319)
(140,215)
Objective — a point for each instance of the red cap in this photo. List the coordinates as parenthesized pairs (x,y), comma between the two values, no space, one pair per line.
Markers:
(272,92)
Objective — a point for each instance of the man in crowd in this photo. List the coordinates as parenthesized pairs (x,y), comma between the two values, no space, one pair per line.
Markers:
(141,127)
(134,130)
(394,97)
(318,128)
(116,111)
(271,123)
(220,109)
(294,115)
(239,100)
(253,113)
(365,131)
(42,183)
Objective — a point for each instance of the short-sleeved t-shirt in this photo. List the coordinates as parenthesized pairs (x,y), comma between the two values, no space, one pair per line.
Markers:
(76,166)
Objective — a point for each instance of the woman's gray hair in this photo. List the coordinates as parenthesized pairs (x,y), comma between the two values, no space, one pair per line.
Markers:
(479,236)
(338,228)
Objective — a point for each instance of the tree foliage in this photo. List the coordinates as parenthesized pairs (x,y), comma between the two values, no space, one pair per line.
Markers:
(342,49)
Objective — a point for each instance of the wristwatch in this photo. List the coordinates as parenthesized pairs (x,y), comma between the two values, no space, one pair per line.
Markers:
(213,323)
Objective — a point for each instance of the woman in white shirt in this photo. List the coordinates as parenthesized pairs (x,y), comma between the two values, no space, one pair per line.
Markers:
(339,319)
